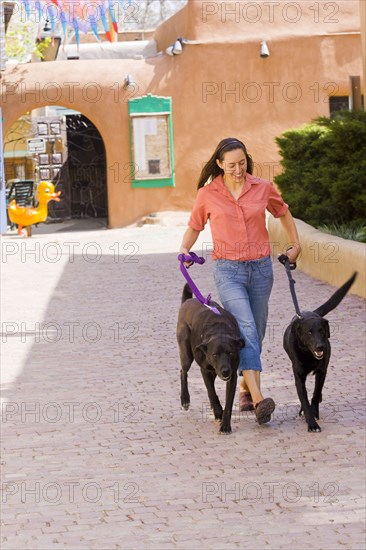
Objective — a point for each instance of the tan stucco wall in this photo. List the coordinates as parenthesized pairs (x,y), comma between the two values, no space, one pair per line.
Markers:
(240,20)
(363,35)
(200,82)
(325,257)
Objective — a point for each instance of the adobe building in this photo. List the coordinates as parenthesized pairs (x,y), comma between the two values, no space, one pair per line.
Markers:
(160,116)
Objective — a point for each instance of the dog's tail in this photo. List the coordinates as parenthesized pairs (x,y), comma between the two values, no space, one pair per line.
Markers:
(187,293)
(336,298)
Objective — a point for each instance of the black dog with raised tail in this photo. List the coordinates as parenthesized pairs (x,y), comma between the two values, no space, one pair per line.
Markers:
(306,342)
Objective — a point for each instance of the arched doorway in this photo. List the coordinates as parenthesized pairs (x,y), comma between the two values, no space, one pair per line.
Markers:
(63,146)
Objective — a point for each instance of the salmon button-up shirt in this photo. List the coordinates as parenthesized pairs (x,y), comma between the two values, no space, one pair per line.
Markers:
(238,227)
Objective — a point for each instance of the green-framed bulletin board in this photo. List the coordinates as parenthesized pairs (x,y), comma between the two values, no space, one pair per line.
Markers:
(151,141)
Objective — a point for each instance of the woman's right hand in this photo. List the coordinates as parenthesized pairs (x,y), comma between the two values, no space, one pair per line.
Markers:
(189,238)
(185,251)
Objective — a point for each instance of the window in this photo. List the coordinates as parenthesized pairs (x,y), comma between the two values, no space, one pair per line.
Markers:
(43,158)
(42,129)
(55,128)
(44,173)
(56,158)
(339,103)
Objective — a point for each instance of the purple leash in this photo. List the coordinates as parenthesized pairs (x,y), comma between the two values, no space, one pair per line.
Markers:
(192,257)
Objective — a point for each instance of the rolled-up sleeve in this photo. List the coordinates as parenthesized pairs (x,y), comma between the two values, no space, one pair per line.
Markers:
(276,205)
(199,214)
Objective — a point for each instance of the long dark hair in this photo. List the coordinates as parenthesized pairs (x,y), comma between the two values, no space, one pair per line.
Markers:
(211,168)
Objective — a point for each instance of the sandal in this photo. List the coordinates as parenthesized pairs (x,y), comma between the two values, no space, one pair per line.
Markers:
(245,401)
(264,409)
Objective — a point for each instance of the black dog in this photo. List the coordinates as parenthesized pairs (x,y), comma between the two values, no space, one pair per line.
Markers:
(307,345)
(214,342)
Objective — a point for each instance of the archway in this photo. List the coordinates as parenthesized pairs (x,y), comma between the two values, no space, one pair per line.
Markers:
(63,146)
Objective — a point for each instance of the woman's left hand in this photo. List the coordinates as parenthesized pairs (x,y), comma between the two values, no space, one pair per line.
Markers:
(293,253)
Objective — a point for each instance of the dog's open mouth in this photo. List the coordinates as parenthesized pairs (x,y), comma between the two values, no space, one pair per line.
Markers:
(225,378)
(318,354)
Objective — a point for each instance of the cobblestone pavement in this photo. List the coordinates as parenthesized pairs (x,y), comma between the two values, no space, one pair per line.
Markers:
(97,452)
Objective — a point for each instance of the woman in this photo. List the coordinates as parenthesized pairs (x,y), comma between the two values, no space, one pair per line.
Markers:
(235,202)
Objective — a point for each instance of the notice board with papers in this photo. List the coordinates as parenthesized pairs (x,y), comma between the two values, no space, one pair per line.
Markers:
(151,141)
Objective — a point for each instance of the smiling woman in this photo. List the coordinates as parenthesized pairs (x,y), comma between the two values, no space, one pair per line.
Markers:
(235,202)
(234,167)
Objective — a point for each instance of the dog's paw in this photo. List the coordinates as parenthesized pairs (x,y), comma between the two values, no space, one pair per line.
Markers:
(185,398)
(315,408)
(225,429)
(314,427)
(218,412)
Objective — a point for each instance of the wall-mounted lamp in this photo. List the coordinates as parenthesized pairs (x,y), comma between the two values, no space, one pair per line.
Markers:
(264,52)
(128,81)
(177,47)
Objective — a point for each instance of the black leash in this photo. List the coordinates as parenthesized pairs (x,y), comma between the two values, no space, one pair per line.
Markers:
(283,259)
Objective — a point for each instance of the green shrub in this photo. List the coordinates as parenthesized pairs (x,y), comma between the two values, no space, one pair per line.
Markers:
(324,169)
(355,233)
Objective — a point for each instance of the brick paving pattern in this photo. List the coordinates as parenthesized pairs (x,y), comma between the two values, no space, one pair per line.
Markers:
(96,450)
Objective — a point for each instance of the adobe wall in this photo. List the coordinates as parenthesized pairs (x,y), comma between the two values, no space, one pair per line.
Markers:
(208,21)
(218,90)
(325,257)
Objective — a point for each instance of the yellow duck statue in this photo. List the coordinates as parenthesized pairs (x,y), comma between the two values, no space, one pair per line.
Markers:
(25,216)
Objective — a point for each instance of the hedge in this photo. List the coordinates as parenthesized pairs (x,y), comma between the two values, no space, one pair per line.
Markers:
(324,169)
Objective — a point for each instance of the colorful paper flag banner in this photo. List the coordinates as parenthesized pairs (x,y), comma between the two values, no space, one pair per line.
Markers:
(81,15)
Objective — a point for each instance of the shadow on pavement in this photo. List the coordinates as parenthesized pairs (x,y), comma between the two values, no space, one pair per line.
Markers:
(98,449)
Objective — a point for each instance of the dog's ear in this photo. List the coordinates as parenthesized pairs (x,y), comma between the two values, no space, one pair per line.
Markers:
(297,327)
(238,341)
(241,342)
(202,348)
(327,331)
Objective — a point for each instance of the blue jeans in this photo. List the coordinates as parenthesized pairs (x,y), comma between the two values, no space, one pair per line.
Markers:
(244,289)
